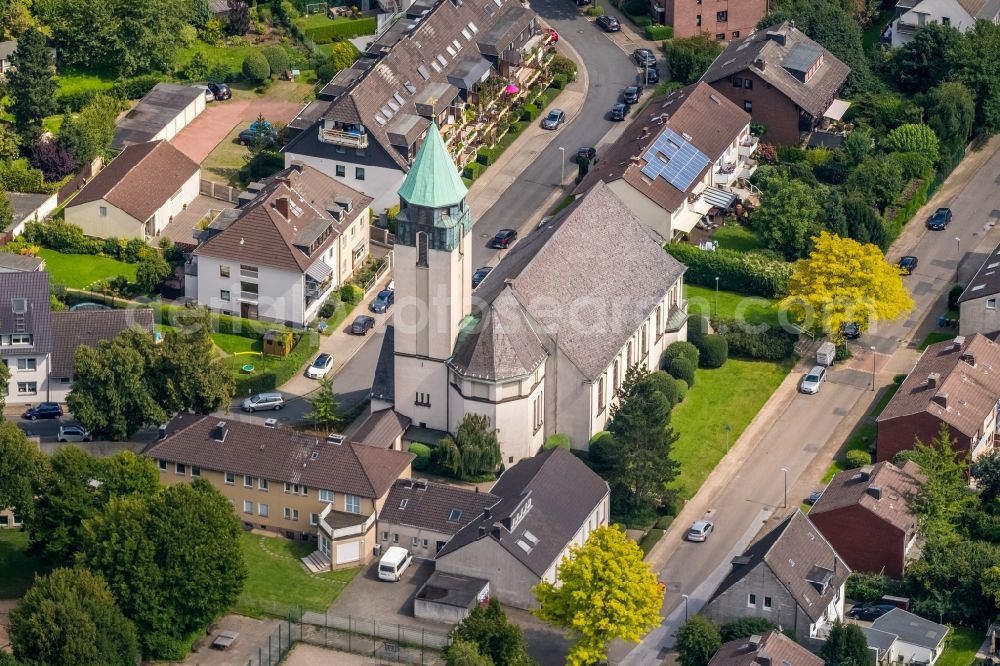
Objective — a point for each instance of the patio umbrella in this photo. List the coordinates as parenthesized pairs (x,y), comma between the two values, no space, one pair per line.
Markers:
(511,89)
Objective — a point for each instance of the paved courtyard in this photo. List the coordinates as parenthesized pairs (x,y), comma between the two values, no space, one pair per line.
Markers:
(253,635)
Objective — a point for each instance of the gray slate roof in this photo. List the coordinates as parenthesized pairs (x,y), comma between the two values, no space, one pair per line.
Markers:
(911,628)
(153,112)
(451,589)
(37,317)
(814,95)
(25,204)
(879,640)
(499,343)
(21,263)
(562,492)
(569,280)
(430,506)
(381,429)
(796,553)
(986,281)
(89,327)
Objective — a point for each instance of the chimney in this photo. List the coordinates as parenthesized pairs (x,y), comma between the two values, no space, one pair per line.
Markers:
(337,212)
(866,472)
(759,64)
(969,358)
(219,431)
(941,399)
(487,514)
(281,205)
(482,530)
(933,379)
(875,491)
(163,432)
(959,341)
(754,641)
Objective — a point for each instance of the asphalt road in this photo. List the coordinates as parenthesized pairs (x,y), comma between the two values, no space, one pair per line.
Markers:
(803,427)
(610,69)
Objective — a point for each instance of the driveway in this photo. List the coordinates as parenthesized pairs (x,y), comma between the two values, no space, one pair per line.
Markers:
(390,603)
(219,118)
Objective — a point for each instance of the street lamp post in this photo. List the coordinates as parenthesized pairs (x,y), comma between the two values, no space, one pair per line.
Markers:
(562,156)
(685,598)
(728,428)
(716,295)
(873,368)
(784,503)
(958,245)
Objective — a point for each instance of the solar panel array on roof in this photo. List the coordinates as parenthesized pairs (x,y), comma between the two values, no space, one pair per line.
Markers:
(674,159)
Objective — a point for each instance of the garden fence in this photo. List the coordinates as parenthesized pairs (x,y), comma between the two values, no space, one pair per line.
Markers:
(220,192)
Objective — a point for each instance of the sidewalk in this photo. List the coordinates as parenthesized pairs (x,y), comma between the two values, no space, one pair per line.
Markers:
(632,37)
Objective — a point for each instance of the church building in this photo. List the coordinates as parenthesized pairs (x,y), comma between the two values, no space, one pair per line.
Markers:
(542,345)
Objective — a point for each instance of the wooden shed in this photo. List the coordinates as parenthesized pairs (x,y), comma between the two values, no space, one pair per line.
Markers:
(278,343)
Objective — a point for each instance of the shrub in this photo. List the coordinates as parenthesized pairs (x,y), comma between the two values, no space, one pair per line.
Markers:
(681,368)
(595,10)
(714,351)
(342,29)
(755,273)
(256,67)
(19,176)
(558,82)
(663,522)
(681,348)
(856,458)
(599,437)
(136,87)
(423,455)
(351,293)
(697,328)
(487,156)
(76,100)
(953,294)
(898,379)
(659,33)
(746,627)
(277,59)
(560,64)
(328,308)
(558,440)
(665,384)
(865,586)
(51,159)
(682,391)
(771,345)
(473,170)
(529,112)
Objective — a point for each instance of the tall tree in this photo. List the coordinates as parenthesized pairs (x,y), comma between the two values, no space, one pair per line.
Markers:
(605,592)
(22,468)
(944,494)
(925,61)
(697,640)
(986,472)
(239,17)
(70,618)
(877,180)
(690,57)
(493,635)
(952,582)
(635,459)
(980,72)
(787,217)
(477,445)
(88,134)
(951,111)
(838,31)
(846,646)
(151,270)
(172,560)
(185,374)
(326,412)
(844,281)
(65,499)
(31,85)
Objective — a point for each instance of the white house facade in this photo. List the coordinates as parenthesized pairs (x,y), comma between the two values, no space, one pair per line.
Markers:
(912,15)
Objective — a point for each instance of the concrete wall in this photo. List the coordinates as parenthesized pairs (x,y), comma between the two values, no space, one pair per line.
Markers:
(379,183)
(863,539)
(742,17)
(980,315)
(770,107)
(430,610)
(394,534)
(426,377)
(510,581)
(40,376)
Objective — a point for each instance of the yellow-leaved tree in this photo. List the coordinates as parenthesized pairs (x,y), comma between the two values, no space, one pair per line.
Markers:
(843,281)
(606,591)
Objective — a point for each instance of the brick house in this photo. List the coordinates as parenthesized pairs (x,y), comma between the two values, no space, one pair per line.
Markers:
(784,80)
(722,20)
(865,514)
(769,649)
(953,383)
(791,576)
(280,480)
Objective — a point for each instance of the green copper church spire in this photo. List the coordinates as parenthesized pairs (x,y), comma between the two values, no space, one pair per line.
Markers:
(433,180)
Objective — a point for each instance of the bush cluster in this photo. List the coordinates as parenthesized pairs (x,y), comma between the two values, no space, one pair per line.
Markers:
(423,455)
(69,239)
(351,293)
(472,170)
(659,33)
(529,112)
(487,156)
(857,458)
(756,273)
(681,368)
(771,345)
(681,349)
(342,29)
(714,351)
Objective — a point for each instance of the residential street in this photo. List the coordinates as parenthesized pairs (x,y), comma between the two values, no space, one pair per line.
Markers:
(800,432)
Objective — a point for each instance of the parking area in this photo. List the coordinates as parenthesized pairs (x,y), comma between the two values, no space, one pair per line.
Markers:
(389,603)
(252,635)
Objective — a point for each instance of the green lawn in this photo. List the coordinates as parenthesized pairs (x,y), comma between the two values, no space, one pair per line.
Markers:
(231,57)
(232,344)
(80,270)
(862,440)
(752,309)
(223,164)
(270,372)
(736,237)
(17,566)
(743,387)
(934,337)
(276,578)
(71,81)
(884,400)
(961,647)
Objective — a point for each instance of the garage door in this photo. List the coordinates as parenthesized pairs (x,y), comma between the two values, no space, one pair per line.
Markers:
(348,552)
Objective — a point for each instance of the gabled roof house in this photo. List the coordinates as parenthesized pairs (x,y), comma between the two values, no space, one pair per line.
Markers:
(770,649)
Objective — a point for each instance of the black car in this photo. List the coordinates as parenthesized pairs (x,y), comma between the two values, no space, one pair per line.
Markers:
(504,239)
(609,23)
(362,324)
(908,264)
(220,90)
(583,3)
(869,611)
(619,111)
(258,129)
(850,331)
(480,275)
(940,219)
(652,75)
(586,153)
(44,410)
(631,94)
(814,497)
(644,57)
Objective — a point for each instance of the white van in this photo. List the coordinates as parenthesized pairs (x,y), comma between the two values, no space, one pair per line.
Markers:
(393,564)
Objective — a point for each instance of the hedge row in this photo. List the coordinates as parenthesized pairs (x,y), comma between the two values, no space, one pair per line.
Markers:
(754,273)
(342,29)
(473,170)
(658,33)
(771,345)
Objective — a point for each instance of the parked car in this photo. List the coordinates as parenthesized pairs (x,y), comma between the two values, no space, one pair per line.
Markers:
(554,119)
(73,433)
(553,35)
(619,111)
(814,497)
(504,239)
(644,57)
(260,128)
(209,95)
(583,3)
(44,410)
(850,331)
(480,275)
(631,94)
(587,153)
(940,219)
(700,530)
(383,301)
(320,367)
(263,401)
(362,324)
(652,75)
(908,264)
(871,610)
(609,23)
(220,91)
(812,381)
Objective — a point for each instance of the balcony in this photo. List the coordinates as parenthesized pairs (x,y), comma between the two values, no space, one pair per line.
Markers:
(748,146)
(350,136)
(248,296)
(337,525)
(747,169)
(726,174)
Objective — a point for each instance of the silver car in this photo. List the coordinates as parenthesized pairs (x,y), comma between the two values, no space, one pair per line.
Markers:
(812,381)
(73,433)
(263,401)
(700,530)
